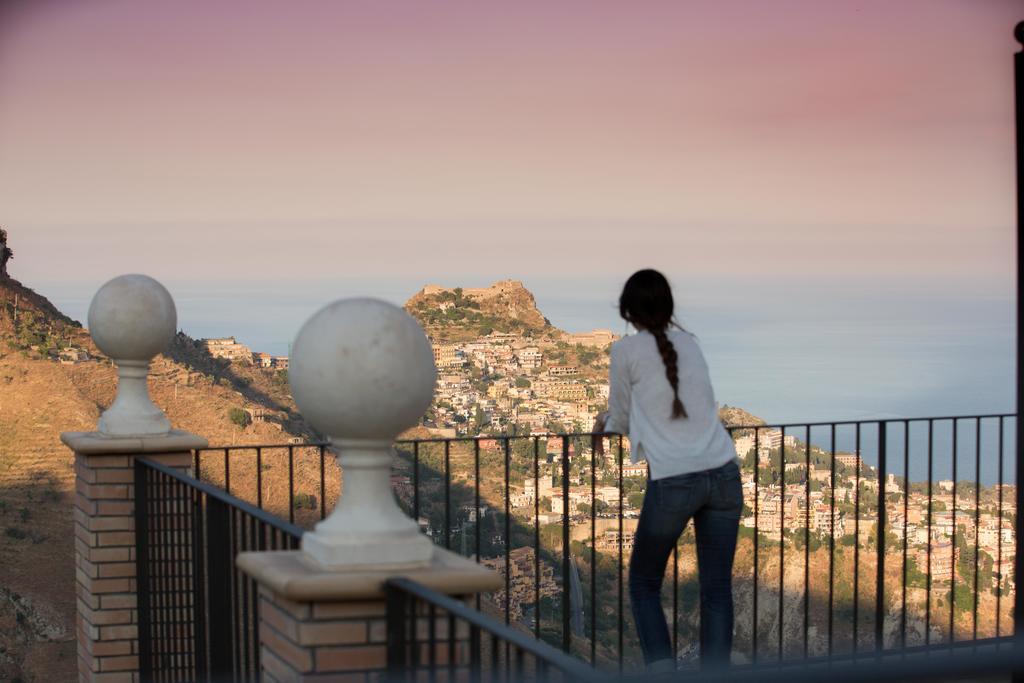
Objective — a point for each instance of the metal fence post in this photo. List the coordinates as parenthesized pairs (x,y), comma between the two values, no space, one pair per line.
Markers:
(880,541)
(1018,600)
(397,607)
(219,607)
(142,570)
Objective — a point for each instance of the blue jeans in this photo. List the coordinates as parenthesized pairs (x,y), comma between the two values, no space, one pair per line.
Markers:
(714,500)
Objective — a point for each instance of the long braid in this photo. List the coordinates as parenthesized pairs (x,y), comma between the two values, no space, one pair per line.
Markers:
(671,360)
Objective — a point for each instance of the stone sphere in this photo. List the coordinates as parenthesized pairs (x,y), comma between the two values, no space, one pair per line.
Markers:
(132,317)
(362,369)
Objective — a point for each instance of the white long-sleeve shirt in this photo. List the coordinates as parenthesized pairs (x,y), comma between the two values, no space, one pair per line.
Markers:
(640,406)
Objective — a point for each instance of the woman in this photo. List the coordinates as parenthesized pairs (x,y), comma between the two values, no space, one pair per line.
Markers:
(661,397)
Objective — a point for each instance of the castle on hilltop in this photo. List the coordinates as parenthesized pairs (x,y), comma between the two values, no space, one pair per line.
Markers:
(497,289)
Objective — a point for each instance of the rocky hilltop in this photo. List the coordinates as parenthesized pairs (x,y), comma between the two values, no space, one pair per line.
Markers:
(460,314)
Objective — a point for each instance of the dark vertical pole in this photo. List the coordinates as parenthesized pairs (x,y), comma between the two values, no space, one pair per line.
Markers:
(782,537)
(566,588)
(416,483)
(447,494)
(831,540)
(323,485)
(397,608)
(856,536)
(807,538)
(880,541)
(291,484)
(508,533)
(259,477)
(906,504)
(142,570)
(1018,562)
(536,537)
(757,533)
(999,543)
(219,571)
(593,550)
(620,613)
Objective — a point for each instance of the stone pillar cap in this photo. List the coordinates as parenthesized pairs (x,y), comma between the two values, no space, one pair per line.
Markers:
(292,575)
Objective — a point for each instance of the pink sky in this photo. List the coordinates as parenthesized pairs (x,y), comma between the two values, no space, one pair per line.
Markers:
(464,139)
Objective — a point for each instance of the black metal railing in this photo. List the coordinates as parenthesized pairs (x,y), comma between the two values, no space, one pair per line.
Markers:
(198,615)
(813,577)
(428,632)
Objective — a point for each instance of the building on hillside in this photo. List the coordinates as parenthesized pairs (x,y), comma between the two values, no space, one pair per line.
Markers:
(228,348)
(744,444)
(71,355)
(638,470)
(280,363)
(262,360)
(848,459)
(448,356)
(595,338)
(529,358)
(563,370)
(772,438)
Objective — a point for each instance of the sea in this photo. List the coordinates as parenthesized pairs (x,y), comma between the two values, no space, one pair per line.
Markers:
(791,349)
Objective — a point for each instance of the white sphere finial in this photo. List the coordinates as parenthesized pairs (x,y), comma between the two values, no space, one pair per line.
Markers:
(361,371)
(132,318)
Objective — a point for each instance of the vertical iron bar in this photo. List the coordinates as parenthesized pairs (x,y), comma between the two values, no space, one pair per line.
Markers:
(807,539)
(291,484)
(952,553)
(757,534)
(447,495)
(199,603)
(782,536)
(416,482)
(675,601)
(396,615)
(219,562)
(160,639)
(906,503)
(259,477)
(977,520)
(536,537)
(432,641)
(999,542)
(883,435)
(475,660)
(1018,70)
(227,470)
(142,568)
(237,590)
(323,485)
(566,589)
(476,502)
(832,539)
(621,604)
(593,551)
(928,548)
(243,586)
(508,533)
(856,536)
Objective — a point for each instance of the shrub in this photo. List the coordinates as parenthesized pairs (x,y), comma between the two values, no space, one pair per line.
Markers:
(238,416)
(305,500)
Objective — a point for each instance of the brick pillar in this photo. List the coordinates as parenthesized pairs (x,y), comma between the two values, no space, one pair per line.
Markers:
(319,624)
(107,620)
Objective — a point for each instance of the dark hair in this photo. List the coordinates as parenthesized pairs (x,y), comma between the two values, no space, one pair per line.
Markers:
(646,303)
